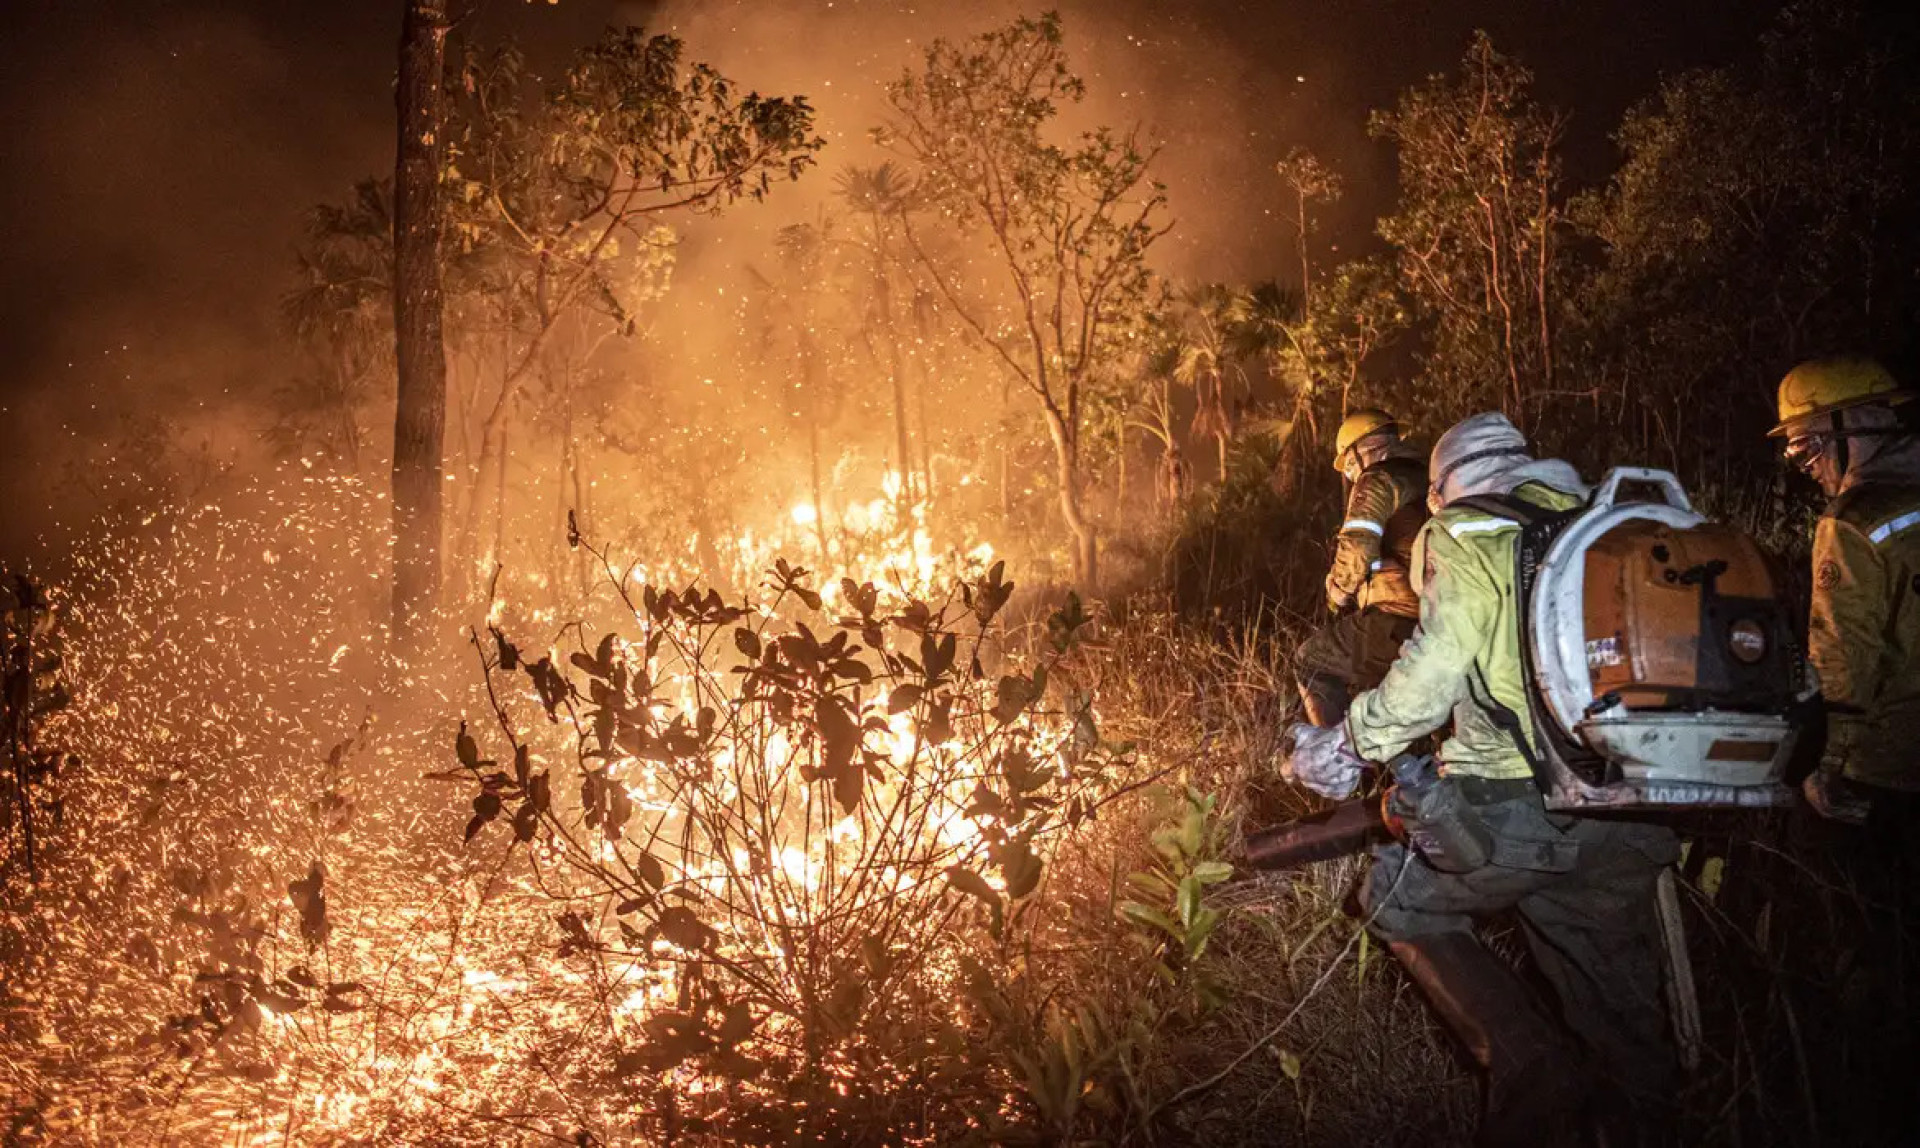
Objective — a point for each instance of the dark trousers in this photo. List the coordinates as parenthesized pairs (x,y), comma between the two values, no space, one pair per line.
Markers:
(1347,657)
(1856,972)
(1584,888)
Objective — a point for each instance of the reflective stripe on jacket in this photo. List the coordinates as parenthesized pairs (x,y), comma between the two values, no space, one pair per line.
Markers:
(1465,649)
(1864,631)
(1372,556)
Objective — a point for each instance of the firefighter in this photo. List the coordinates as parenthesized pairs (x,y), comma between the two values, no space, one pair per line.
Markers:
(1584,887)
(1841,428)
(1369,589)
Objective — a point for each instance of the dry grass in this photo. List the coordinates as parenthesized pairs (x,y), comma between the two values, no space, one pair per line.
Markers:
(1291,1027)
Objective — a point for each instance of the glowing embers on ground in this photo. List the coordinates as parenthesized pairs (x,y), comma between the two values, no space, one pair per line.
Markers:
(502,982)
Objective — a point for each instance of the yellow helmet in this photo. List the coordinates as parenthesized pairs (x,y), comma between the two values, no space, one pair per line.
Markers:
(1357,426)
(1822,386)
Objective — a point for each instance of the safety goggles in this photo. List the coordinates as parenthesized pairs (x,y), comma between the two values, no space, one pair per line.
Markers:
(1804,451)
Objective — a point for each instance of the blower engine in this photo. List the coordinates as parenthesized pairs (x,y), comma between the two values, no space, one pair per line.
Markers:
(1663,665)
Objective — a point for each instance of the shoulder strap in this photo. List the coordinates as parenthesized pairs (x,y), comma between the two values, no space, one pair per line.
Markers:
(1539,525)
(1508,506)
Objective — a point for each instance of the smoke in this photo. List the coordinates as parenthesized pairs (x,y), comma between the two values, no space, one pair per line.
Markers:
(160,161)
(1221,107)
(161,156)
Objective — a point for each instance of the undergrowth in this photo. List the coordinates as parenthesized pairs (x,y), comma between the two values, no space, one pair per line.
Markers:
(258,918)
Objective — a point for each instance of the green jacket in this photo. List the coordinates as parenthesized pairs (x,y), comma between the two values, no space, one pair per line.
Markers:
(1864,631)
(1373,552)
(1466,647)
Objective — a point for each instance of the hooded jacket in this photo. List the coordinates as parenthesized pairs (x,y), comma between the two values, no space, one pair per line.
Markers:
(1464,659)
(1864,625)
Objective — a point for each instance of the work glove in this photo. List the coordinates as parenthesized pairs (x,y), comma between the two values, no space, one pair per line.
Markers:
(1834,797)
(1323,760)
(1339,600)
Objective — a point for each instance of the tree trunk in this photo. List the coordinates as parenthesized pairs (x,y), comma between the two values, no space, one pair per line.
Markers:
(1067,476)
(420,412)
(925,376)
(500,506)
(1006,459)
(903,446)
(810,376)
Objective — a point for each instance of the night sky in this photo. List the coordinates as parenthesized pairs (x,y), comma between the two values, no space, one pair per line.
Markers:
(159,156)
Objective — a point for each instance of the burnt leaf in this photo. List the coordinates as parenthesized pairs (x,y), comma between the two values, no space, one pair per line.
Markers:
(310,899)
(651,873)
(509,655)
(736,1023)
(990,593)
(1019,867)
(1024,775)
(574,937)
(974,885)
(1013,693)
(680,927)
(486,807)
(551,686)
(938,727)
(464,747)
(839,736)
(1065,624)
(619,809)
(526,822)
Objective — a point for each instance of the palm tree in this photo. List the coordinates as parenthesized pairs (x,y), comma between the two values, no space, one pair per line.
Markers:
(1208,361)
(1154,414)
(1269,323)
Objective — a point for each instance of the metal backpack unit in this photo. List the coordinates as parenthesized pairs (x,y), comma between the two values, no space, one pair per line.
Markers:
(1661,665)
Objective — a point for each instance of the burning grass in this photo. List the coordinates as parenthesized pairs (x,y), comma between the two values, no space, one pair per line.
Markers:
(885,861)
(839,860)
(745,851)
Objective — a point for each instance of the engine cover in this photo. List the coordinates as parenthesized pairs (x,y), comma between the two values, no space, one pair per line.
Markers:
(1663,663)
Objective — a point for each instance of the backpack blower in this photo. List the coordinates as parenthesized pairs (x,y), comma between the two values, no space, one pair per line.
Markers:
(1661,662)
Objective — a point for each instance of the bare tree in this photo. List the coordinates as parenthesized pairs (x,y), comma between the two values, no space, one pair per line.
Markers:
(1067,230)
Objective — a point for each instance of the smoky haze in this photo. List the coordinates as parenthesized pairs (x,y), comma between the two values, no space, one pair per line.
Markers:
(160,158)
